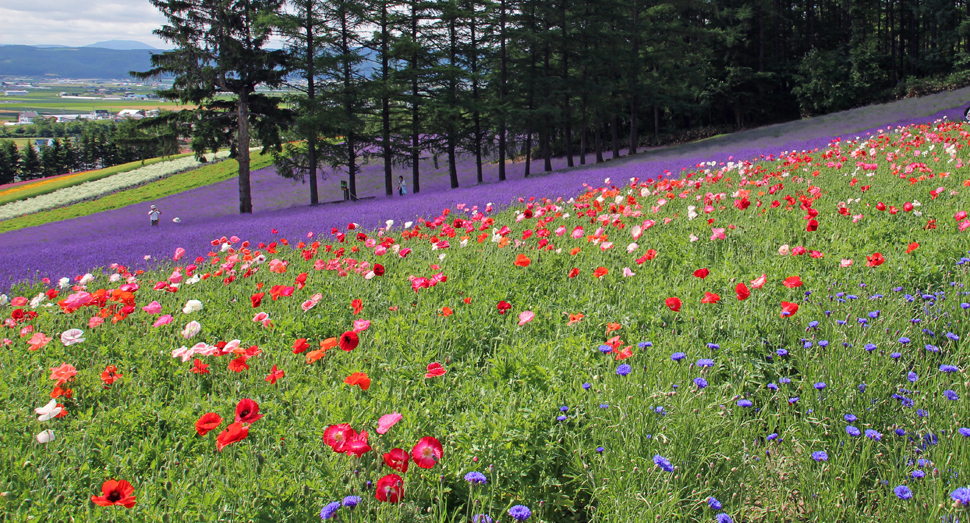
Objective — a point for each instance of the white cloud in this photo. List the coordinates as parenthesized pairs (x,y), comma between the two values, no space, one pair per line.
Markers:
(79,23)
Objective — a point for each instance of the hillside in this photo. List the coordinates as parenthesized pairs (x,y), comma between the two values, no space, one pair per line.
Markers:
(72,62)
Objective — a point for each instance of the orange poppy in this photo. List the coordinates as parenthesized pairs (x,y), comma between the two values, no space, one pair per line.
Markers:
(522,261)
(358,378)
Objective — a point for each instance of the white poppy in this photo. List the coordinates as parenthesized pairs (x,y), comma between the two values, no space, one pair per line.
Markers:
(4,300)
(48,411)
(64,282)
(72,337)
(176,220)
(37,300)
(192,306)
(86,279)
(191,329)
(45,436)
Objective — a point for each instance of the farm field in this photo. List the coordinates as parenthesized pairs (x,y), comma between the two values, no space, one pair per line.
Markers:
(49,102)
(739,331)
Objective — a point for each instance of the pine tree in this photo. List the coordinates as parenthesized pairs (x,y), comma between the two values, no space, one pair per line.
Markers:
(9,161)
(30,166)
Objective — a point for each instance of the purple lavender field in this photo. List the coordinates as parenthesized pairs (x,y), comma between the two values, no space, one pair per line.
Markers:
(124,236)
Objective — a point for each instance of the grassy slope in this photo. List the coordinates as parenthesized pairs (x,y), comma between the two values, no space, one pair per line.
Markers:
(175,184)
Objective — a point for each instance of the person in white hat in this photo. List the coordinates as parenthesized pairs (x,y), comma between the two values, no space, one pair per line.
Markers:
(153,215)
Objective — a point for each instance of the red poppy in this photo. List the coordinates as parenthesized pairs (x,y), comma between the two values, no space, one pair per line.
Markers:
(881,206)
(710,297)
(390,489)
(701,273)
(522,261)
(207,422)
(600,272)
(233,433)
(930,224)
(673,304)
(427,452)
(357,306)
(812,225)
(651,254)
(503,306)
(199,368)
(357,445)
(257,299)
(446,311)
(912,247)
(378,269)
(742,291)
(247,411)
(792,282)
(573,272)
(274,375)
(239,364)
(110,375)
(338,435)
(788,309)
(349,341)
(301,280)
(875,260)
(623,354)
(115,493)
(434,370)
(397,459)
(300,345)
(358,378)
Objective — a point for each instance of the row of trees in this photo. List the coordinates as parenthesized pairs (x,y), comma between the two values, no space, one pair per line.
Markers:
(499,79)
(97,146)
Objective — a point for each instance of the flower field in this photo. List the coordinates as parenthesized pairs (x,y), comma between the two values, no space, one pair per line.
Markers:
(780,339)
(101,186)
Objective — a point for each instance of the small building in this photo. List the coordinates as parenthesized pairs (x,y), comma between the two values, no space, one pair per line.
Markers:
(15,92)
(131,113)
(27,117)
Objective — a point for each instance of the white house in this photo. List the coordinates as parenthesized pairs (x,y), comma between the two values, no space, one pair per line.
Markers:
(131,113)
(14,92)
(27,117)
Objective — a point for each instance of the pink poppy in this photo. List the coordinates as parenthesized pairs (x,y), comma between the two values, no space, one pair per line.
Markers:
(152,308)
(164,320)
(525,317)
(427,452)
(387,421)
(361,325)
(434,370)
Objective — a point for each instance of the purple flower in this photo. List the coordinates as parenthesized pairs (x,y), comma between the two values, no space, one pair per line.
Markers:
(705,363)
(744,403)
(820,455)
(351,501)
(872,434)
(476,478)
(820,385)
(329,510)
(949,368)
(482,518)
(605,349)
(852,431)
(961,495)
(965,432)
(623,370)
(723,518)
(912,377)
(700,382)
(677,356)
(850,418)
(950,395)
(903,492)
(713,503)
(520,513)
(663,463)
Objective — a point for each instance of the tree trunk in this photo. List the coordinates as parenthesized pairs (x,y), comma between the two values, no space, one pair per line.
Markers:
(415,98)
(453,94)
(242,156)
(615,130)
(598,139)
(348,107)
(386,106)
(311,95)
(567,111)
(476,116)
(501,95)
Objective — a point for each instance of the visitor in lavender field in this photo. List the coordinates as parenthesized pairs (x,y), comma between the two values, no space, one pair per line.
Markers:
(402,186)
(153,215)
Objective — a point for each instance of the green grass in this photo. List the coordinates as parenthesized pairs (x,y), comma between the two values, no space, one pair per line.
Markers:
(495,410)
(174,184)
(46,186)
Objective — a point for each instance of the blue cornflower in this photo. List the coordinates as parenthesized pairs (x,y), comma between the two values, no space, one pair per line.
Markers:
(586,386)
(714,503)
(563,408)
(782,352)
(330,510)
(950,395)
(918,474)
(677,356)
(820,455)
(900,432)
(952,337)
(850,418)
(862,387)
(903,492)
(604,405)
(600,449)
(920,413)
(713,346)
(663,463)
(520,513)
(793,400)
(949,368)
(965,305)
(872,434)
(784,381)
(700,382)
(820,385)
(895,355)
(561,418)
(773,436)
(870,347)
(723,518)
(823,343)
(874,314)
(932,348)
(476,477)
(904,340)
(744,403)
(660,410)
(807,345)
(852,431)
(812,324)
(351,501)
(912,377)
(623,370)
(929,333)
(605,349)
(705,363)
(772,386)
(840,322)
(645,344)
(961,495)
(482,518)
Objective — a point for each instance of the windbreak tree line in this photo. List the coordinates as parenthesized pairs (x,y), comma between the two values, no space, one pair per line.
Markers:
(404,80)
(96,147)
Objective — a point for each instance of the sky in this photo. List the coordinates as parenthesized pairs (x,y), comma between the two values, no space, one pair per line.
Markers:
(78,22)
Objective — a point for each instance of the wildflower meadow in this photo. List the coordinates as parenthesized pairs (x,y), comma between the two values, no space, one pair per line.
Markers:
(779,338)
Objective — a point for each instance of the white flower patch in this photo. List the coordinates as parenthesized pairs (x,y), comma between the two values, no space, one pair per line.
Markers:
(98,188)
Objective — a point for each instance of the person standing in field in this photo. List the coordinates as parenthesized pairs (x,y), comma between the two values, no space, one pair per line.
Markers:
(153,215)
(402,186)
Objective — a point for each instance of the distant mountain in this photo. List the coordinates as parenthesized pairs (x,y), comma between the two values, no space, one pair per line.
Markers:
(121,45)
(72,62)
